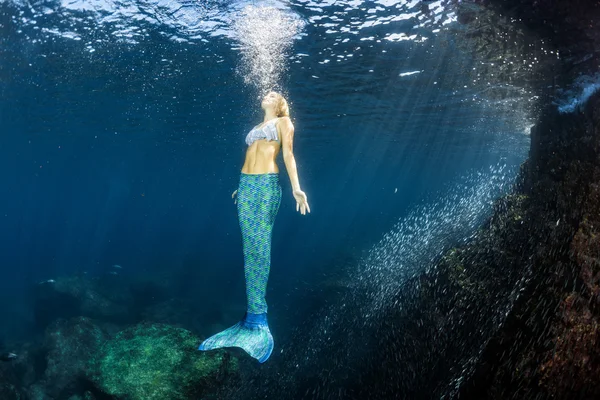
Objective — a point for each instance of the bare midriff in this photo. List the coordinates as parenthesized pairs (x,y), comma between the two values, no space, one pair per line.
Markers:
(261,156)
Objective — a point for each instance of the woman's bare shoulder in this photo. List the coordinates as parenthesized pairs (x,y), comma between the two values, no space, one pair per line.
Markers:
(285,122)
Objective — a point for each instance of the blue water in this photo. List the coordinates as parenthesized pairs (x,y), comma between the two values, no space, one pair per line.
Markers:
(122,139)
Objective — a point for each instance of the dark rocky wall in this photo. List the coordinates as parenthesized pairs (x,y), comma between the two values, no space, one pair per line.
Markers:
(549,346)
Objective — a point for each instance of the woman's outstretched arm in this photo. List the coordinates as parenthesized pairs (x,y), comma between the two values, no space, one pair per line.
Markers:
(287,144)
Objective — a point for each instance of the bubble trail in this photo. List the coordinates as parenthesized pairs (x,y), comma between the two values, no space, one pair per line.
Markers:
(265,35)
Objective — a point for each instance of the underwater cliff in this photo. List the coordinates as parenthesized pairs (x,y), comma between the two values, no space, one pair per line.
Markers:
(548,345)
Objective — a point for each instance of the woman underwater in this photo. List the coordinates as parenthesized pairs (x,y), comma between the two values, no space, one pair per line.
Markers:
(258,199)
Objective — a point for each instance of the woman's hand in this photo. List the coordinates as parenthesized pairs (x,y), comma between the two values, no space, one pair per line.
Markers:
(233,196)
(301,201)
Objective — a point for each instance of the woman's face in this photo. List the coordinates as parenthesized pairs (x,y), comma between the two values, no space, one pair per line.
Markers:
(269,101)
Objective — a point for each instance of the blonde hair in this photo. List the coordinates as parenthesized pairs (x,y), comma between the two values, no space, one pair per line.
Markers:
(282,109)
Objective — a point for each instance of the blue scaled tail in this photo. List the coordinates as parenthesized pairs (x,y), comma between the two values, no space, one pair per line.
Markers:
(251,334)
(258,199)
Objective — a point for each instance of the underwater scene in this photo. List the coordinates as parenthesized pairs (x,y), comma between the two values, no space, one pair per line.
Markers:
(304,199)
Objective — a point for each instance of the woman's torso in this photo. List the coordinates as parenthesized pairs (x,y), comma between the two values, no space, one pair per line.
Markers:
(262,153)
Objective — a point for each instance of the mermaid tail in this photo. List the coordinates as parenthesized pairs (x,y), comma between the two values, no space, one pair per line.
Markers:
(251,334)
(259,197)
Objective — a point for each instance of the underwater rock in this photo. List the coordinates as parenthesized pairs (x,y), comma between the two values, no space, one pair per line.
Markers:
(26,369)
(8,391)
(575,353)
(549,345)
(9,387)
(19,373)
(586,244)
(86,396)
(159,362)
(571,365)
(70,345)
(36,392)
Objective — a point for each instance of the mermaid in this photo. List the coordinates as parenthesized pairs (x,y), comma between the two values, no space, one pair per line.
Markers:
(258,197)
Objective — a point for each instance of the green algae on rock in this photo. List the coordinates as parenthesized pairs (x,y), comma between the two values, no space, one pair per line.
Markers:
(159,362)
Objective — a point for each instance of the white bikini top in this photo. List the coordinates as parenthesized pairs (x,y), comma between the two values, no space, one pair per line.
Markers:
(267,131)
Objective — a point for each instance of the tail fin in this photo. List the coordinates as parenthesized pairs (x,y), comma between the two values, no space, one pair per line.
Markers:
(252,334)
